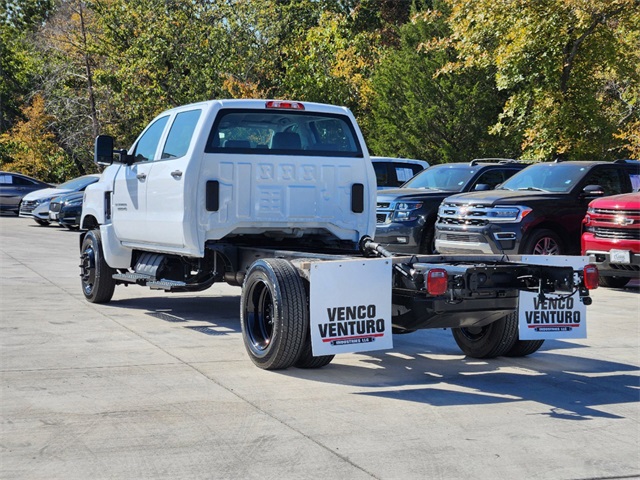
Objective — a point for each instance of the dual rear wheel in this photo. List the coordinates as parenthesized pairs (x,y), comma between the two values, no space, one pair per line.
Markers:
(499,338)
(274,317)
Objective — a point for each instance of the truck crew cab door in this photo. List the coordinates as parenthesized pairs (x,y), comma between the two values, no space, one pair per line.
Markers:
(168,187)
(130,186)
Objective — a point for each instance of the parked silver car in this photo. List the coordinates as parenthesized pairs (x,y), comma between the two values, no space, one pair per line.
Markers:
(36,204)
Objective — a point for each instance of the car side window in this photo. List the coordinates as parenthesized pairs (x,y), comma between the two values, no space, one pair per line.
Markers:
(405,171)
(382,175)
(6,179)
(180,134)
(607,178)
(22,181)
(492,178)
(148,144)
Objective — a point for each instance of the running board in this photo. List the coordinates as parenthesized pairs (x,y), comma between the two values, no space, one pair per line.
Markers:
(149,281)
(139,278)
(167,285)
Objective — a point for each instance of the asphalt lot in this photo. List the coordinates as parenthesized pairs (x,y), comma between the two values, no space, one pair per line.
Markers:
(156,385)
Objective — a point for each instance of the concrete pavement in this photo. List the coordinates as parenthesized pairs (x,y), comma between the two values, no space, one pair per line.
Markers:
(156,385)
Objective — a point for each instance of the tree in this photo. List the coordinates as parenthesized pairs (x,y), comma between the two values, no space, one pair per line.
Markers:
(558,60)
(418,113)
(33,148)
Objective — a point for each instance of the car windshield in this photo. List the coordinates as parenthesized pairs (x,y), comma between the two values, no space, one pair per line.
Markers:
(446,177)
(546,177)
(78,183)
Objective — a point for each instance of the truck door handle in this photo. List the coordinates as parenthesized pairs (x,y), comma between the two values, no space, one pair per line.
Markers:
(176,174)
(141,176)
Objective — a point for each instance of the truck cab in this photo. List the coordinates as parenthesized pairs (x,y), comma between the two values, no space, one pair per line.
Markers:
(243,170)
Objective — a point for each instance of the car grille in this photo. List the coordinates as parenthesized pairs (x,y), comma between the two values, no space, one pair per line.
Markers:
(618,233)
(28,206)
(381,218)
(54,207)
(460,237)
(606,211)
(452,214)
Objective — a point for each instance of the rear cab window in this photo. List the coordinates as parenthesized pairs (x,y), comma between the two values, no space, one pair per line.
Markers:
(283,132)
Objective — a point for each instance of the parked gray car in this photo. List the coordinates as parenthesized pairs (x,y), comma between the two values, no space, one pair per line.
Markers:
(14,186)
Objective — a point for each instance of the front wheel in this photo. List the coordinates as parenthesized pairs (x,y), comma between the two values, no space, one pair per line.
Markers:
(42,223)
(98,284)
(274,314)
(544,242)
(489,341)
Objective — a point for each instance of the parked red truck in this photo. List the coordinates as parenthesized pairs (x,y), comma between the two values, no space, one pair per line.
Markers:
(611,233)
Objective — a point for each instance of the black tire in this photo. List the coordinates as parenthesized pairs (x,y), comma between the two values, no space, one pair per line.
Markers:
(613,282)
(307,360)
(428,244)
(489,341)
(544,242)
(522,348)
(274,314)
(42,223)
(96,276)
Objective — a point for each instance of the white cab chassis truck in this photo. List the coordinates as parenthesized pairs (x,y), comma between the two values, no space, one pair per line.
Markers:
(278,197)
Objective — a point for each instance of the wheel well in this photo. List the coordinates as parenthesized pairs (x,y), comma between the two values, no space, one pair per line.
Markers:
(89,223)
(555,228)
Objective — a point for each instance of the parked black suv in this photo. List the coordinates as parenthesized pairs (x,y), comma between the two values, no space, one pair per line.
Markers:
(406,215)
(537,211)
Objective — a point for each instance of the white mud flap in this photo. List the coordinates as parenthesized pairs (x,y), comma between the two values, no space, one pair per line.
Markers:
(350,306)
(556,316)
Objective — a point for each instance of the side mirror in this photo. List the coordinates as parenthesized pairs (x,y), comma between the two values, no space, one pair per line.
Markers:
(593,191)
(103,153)
(481,187)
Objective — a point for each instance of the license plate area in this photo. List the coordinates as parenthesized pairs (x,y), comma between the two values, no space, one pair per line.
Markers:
(620,256)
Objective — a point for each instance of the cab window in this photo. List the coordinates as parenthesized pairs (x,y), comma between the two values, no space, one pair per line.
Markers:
(180,135)
(148,144)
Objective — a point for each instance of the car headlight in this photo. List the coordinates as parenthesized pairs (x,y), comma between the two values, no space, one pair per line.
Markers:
(77,201)
(406,211)
(507,214)
(40,201)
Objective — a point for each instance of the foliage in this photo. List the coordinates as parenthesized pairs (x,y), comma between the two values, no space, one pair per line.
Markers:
(439,118)
(33,147)
(442,80)
(559,59)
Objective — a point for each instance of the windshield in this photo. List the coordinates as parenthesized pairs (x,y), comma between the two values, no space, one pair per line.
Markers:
(447,177)
(78,183)
(547,177)
(283,132)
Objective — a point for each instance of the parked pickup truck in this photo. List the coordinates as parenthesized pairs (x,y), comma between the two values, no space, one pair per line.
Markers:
(611,233)
(278,197)
(539,210)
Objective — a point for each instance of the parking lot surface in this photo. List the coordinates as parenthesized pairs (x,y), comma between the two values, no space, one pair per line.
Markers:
(156,385)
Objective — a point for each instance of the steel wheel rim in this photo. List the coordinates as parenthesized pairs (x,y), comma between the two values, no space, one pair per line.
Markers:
(546,246)
(260,312)
(88,267)
(474,333)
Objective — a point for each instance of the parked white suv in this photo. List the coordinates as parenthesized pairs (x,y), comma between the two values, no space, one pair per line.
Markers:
(392,172)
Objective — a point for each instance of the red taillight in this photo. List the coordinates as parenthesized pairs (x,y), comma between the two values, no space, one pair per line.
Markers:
(437,281)
(591,276)
(284,104)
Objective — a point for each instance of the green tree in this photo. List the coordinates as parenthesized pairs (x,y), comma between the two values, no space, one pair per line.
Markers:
(563,62)
(418,113)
